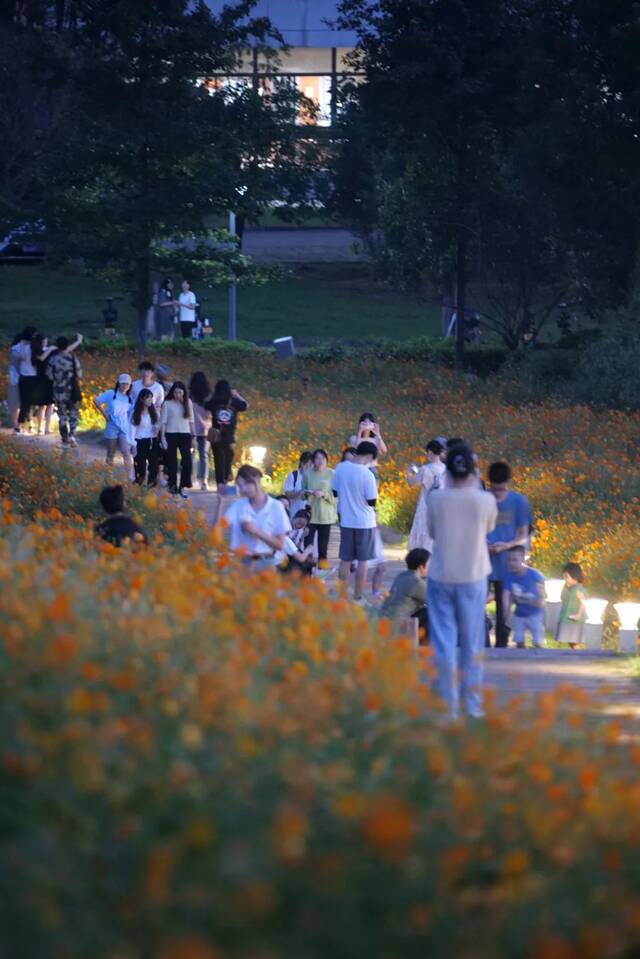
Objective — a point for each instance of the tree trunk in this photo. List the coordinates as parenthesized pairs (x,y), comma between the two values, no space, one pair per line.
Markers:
(461,294)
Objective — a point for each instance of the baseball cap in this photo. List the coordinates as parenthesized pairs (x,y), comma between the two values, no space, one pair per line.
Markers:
(124,378)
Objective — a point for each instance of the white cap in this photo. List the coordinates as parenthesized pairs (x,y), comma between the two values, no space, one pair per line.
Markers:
(124,378)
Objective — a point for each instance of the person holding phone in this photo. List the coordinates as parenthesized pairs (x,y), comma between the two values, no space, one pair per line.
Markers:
(369,432)
(428,477)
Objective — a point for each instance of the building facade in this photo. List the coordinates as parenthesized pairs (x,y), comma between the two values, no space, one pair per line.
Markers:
(315,59)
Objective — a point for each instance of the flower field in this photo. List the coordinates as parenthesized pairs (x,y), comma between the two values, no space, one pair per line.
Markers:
(194,769)
(580,469)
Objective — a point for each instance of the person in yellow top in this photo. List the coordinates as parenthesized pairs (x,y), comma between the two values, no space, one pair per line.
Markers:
(318,491)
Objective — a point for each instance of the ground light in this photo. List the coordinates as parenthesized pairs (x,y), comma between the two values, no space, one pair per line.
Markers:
(592,631)
(257,454)
(628,614)
(553,590)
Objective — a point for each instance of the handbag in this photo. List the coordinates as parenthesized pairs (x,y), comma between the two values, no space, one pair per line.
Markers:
(214,435)
(76,392)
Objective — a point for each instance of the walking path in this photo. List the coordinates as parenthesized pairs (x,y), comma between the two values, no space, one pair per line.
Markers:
(605,677)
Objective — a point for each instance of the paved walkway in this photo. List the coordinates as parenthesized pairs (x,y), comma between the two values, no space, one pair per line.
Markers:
(606,677)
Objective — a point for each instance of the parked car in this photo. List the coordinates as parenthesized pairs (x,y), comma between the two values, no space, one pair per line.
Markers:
(23,244)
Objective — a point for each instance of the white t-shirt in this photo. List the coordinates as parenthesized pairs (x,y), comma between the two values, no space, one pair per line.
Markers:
(173,419)
(146,429)
(293,482)
(271,519)
(26,365)
(187,315)
(355,484)
(458,521)
(156,389)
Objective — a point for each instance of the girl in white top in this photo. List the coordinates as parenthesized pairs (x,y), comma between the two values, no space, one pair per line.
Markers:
(430,477)
(257,524)
(145,422)
(177,432)
(369,431)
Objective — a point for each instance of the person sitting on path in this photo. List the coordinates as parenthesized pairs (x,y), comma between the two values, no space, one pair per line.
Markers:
(355,486)
(459,520)
(257,524)
(408,595)
(118,527)
(524,589)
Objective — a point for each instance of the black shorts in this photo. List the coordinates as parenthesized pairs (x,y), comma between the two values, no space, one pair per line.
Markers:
(357,544)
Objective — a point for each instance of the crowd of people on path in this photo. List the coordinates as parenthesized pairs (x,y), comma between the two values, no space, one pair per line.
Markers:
(468,541)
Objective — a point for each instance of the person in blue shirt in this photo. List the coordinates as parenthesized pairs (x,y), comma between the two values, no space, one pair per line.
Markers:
(524,589)
(512,529)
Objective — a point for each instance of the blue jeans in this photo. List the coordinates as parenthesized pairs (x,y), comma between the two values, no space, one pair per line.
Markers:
(203,457)
(456,613)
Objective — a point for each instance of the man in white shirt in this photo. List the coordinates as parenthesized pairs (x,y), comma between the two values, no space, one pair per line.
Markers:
(355,486)
(257,524)
(147,381)
(188,305)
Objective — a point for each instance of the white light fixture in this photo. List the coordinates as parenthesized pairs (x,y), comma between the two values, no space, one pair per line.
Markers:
(595,610)
(553,590)
(592,629)
(257,454)
(628,614)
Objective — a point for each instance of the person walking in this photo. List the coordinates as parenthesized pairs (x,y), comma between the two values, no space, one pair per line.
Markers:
(43,395)
(13,383)
(145,421)
(257,524)
(176,435)
(187,305)
(115,406)
(147,381)
(199,393)
(459,519)
(224,406)
(64,371)
(166,307)
(355,486)
(429,477)
(26,379)
(511,529)
(318,490)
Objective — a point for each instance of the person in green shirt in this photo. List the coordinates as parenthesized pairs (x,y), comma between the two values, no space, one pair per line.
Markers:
(318,491)
(408,595)
(573,612)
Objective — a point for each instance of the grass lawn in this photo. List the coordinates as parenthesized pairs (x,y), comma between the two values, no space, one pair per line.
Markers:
(322,301)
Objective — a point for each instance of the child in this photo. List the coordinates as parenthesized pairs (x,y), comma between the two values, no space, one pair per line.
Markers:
(298,556)
(118,525)
(407,598)
(573,612)
(524,589)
